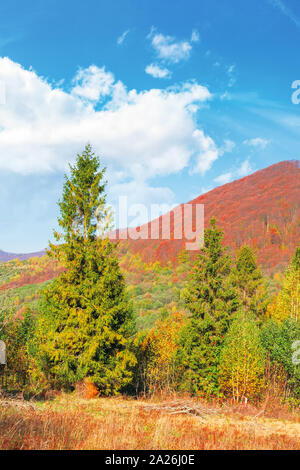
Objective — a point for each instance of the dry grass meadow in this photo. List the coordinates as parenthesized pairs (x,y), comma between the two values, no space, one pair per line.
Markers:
(69,422)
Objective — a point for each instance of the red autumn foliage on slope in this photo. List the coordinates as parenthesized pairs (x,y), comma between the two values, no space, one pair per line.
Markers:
(262,210)
(34,273)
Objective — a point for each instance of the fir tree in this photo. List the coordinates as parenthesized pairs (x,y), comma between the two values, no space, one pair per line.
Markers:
(280,339)
(86,320)
(211,300)
(251,286)
(296,260)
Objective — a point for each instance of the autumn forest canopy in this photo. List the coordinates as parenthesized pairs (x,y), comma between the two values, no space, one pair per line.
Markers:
(95,313)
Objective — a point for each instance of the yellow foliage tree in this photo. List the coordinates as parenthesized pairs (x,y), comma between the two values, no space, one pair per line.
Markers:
(287,303)
(242,362)
(159,347)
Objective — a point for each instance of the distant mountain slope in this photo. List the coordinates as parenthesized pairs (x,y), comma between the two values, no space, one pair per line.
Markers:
(10,256)
(262,210)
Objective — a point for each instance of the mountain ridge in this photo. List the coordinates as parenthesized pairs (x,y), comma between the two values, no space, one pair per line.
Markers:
(261,210)
(5,256)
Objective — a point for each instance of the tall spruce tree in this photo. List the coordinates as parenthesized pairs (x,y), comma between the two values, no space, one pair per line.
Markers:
(249,281)
(86,320)
(212,301)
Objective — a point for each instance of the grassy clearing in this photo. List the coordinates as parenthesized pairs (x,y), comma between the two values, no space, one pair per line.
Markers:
(68,422)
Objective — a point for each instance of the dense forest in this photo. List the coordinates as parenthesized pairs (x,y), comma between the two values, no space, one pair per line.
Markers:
(89,313)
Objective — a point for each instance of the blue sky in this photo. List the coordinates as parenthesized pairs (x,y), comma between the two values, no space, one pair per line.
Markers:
(176,98)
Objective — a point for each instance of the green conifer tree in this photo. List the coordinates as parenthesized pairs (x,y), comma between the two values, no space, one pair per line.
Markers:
(86,320)
(211,300)
(251,286)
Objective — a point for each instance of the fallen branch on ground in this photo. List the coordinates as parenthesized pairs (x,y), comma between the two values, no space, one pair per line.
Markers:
(183,407)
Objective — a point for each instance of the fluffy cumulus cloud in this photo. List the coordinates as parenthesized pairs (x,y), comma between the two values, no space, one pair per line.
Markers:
(140,135)
(92,83)
(157,71)
(207,152)
(170,50)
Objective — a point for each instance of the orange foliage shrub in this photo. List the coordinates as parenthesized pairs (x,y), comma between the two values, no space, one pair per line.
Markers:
(86,389)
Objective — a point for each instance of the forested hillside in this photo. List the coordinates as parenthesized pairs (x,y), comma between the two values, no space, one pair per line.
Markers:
(96,318)
(262,210)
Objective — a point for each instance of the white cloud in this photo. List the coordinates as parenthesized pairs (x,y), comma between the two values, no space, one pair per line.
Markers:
(244,170)
(167,48)
(224,178)
(231,75)
(225,96)
(286,11)
(139,135)
(204,190)
(195,37)
(258,142)
(140,192)
(207,152)
(228,146)
(123,36)
(92,83)
(157,72)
